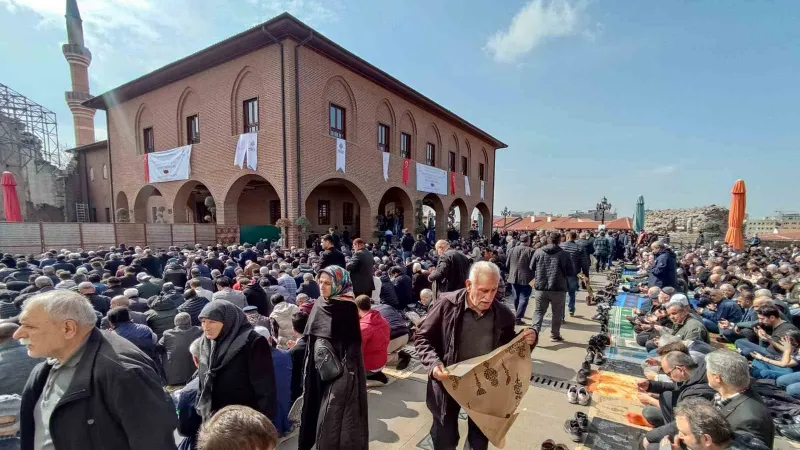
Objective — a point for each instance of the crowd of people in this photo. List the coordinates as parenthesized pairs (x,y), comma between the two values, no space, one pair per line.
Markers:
(262,338)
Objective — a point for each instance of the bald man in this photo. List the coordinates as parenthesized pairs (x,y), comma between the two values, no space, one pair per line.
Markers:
(452,270)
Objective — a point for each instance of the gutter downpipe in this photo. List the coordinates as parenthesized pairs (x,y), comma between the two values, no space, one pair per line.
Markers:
(297,117)
(111,178)
(283,124)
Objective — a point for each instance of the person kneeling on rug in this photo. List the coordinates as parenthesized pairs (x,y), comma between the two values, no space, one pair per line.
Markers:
(374,340)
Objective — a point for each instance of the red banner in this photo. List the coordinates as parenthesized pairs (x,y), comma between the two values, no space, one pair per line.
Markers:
(406,167)
(452,183)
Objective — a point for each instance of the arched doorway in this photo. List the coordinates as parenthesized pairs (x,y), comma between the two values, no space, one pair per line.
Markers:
(434,217)
(458,219)
(122,212)
(194,204)
(149,206)
(339,204)
(395,211)
(481,220)
(251,200)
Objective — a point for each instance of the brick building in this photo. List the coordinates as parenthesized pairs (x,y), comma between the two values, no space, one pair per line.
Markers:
(299,91)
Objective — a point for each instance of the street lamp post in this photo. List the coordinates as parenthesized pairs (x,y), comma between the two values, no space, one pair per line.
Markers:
(505,213)
(603,206)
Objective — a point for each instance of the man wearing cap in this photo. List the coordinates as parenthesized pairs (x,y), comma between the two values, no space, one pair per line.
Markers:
(146,287)
(100,303)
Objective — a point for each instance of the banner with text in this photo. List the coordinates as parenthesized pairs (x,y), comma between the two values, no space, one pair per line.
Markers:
(431,179)
(247,146)
(170,165)
(341,154)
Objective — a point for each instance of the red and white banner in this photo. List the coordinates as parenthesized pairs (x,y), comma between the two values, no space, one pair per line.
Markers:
(406,169)
(170,165)
(452,183)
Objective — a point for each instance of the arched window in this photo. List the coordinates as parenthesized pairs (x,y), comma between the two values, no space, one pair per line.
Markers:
(91,173)
(105,172)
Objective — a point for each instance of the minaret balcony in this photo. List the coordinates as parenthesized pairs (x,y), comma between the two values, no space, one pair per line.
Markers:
(77,53)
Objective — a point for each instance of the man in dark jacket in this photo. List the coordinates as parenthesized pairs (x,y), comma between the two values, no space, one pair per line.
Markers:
(402,286)
(580,262)
(688,380)
(309,287)
(146,287)
(256,296)
(550,267)
(728,374)
(175,275)
(100,303)
(129,280)
(664,271)
(452,270)
(247,255)
(23,272)
(98,382)
(205,282)
(360,268)
(174,346)
(332,256)
(161,315)
(518,264)
(62,264)
(297,349)
(460,325)
(150,263)
(15,364)
(602,252)
(407,244)
(388,295)
(420,248)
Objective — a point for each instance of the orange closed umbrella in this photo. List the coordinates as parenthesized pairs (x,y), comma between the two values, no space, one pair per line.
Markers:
(734,236)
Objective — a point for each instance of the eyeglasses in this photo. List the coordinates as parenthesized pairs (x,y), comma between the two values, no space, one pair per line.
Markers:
(669,373)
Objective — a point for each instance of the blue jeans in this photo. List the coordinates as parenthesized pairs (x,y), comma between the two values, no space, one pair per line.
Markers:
(711,326)
(522,293)
(405,255)
(746,347)
(572,288)
(769,371)
(791,383)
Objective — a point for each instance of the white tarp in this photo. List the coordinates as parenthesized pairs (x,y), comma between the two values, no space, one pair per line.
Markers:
(431,179)
(247,146)
(466,186)
(169,165)
(341,154)
(385,166)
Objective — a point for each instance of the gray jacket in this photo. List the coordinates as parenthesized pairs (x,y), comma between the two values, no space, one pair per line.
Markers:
(15,366)
(178,363)
(231,295)
(518,264)
(691,330)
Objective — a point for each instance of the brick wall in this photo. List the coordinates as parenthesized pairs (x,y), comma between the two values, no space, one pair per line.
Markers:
(217,94)
(99,189)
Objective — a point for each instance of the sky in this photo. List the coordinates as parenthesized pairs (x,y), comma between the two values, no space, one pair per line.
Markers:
(671,100)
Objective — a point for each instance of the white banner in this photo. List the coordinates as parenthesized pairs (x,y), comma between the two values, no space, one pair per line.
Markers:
(431,179)
(170,165)
(466,186)
(341,154)
(385,166)
(247,146)
(481,189)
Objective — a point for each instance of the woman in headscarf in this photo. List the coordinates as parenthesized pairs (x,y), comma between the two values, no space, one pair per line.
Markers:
(236,363)
(334,413)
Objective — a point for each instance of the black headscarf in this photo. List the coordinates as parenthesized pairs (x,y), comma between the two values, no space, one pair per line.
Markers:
(218,352)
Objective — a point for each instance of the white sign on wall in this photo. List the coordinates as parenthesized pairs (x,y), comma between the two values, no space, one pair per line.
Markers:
(431,179)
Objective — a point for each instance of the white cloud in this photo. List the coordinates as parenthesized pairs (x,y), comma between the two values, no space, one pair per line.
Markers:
(665,170)
(536,22)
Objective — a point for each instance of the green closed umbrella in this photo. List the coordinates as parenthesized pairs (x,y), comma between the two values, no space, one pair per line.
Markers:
(638,215)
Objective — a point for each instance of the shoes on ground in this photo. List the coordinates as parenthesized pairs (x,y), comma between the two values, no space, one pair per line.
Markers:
(587,366)
(573,429)
(583,421)
(379,377)
(584,397)
(548,445)
(590,355)
(599,359)
(519,322)
(556,338)
(790,431)
(583,377)
(405,358)
(572,395)
(572,313)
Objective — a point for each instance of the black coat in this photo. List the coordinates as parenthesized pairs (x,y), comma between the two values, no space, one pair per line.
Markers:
(101,303)
(360,269)
(402,287)
(388,295)
(115,400)
(256,296)
(747,412)
(298,354)
(311,289)
(332,257)
(451,272)
(234,383)
(437,337)
(550,267)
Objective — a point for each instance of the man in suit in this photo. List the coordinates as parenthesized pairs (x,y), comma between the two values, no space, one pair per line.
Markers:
(581,264)
(519,275)
(360,268)
(332,256)
(729,375)
(452,270)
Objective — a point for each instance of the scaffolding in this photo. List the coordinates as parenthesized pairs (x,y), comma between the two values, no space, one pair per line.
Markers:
(28,132)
